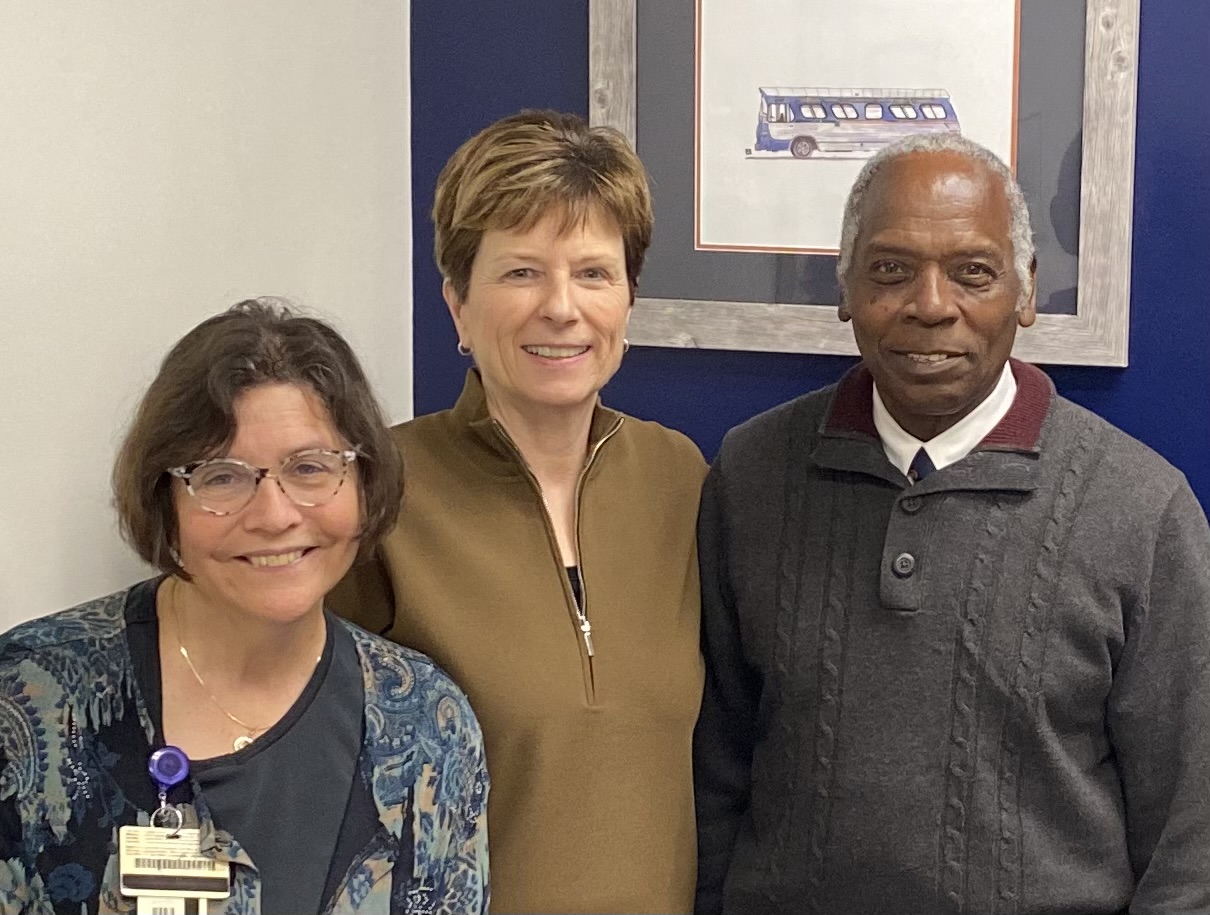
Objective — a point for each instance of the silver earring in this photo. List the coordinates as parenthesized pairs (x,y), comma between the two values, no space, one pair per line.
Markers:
(176,557)
(463,350)
(625,345)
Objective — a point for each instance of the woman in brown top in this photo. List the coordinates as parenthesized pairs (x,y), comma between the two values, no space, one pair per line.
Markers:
(545,553)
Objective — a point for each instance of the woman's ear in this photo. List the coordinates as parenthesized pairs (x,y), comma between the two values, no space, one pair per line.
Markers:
(454,304)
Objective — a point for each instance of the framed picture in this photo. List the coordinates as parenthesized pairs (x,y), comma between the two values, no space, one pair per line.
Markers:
(718,95)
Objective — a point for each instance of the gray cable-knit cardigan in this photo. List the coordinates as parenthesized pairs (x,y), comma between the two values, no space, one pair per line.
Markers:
(986,693)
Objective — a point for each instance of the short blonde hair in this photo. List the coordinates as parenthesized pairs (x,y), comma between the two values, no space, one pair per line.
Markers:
(527,166)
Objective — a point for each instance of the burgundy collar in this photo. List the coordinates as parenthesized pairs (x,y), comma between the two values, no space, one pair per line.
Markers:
(852,409)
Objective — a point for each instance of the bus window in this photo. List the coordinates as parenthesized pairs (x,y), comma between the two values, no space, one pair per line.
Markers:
(873,112)
(904,112)
(844,112)
(933,112)
(779,112)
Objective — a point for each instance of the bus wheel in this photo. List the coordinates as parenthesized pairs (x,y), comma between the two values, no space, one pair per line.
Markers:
(802,147)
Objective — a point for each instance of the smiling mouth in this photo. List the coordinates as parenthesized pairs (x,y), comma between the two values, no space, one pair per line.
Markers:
(276,559)
(556,352)
(931,358)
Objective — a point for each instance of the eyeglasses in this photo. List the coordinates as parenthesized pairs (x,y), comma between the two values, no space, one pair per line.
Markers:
(224,485)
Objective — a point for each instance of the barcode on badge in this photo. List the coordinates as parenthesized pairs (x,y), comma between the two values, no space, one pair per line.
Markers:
(175,864)
(154,906)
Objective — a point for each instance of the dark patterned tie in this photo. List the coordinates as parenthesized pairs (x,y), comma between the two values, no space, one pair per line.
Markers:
(921,466)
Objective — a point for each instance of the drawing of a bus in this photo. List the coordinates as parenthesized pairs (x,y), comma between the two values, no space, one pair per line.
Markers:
(807,121)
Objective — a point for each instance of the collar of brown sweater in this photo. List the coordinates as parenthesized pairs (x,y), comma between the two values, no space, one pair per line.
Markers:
(470,413)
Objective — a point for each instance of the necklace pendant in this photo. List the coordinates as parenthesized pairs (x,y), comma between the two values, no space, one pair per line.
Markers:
(244,740)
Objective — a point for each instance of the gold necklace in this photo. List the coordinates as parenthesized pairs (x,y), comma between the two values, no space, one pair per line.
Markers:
(243,740)
(253,732)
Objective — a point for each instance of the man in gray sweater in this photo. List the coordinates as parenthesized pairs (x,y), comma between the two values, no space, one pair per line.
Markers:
(956,628)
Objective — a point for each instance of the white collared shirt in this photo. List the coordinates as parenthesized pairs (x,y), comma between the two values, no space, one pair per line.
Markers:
(954,443)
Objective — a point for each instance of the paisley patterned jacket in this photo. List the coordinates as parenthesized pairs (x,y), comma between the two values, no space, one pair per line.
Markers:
(75,734)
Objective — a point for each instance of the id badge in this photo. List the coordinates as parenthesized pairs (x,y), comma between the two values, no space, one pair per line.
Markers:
(166,870)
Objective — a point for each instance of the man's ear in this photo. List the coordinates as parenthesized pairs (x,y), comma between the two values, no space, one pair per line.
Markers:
(842,310)
(1028,313)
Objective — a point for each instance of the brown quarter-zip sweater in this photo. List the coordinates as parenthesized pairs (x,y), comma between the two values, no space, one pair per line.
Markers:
(591,808)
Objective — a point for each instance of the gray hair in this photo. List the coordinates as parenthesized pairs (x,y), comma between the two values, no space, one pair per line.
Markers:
(1020,233)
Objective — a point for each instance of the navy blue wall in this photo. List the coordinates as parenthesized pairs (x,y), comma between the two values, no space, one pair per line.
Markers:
(477,60)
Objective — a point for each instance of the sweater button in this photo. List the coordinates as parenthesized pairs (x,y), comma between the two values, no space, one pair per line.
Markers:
(910,504)
(904,565)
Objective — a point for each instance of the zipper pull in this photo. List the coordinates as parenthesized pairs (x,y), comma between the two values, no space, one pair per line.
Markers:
(586,628)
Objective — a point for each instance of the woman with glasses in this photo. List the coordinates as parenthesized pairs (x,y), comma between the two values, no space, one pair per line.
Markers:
(283,760)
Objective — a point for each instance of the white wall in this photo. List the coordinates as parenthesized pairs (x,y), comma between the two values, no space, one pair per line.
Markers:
(160,160)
